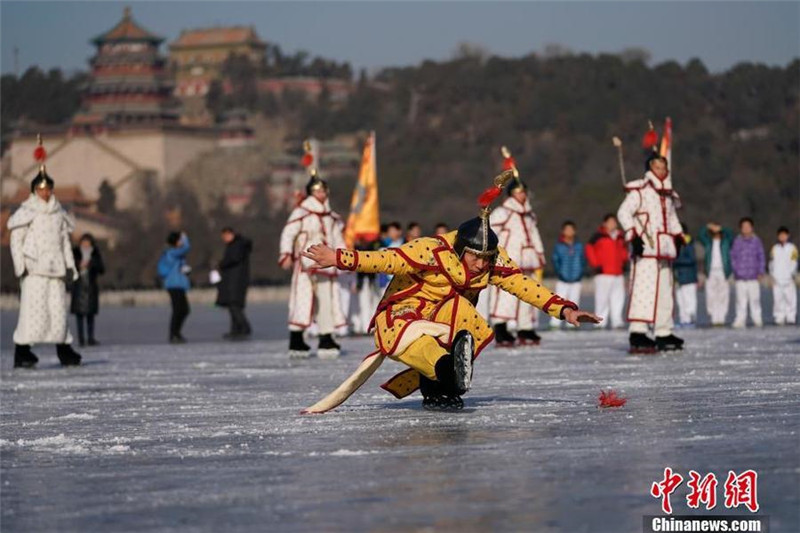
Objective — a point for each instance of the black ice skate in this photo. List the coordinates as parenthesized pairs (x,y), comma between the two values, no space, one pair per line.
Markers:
(24,357)
(641,344)
(528,337)
(502,337)
(67,355)
(328,348)
(298,349)
(438,395)
(670,343)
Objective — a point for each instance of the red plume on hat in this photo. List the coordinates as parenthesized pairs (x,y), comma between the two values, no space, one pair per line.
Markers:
(308,157)
(39,153)
(650,138)
(490,195)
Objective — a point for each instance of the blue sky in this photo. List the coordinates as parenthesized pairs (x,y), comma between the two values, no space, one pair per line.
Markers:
(376,34)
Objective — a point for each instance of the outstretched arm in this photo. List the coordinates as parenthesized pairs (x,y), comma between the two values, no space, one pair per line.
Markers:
(384,261)
(507,276)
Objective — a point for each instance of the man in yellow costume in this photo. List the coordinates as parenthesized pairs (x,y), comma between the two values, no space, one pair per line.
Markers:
(427,319)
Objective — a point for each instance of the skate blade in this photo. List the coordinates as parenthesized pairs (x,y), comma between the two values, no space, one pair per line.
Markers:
(529,343)
(299,354)
(463,362)
(328,353)
(642,351)
(504,344)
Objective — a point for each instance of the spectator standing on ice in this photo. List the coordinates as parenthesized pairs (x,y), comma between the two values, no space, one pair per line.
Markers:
(441,228)
(43,260)
(717,242)
(234,270)
(685,268)
(569,262)
(607,254)
(173,270)
(783,269)
(748,263)
(85,292)
(315,293)
(367,290)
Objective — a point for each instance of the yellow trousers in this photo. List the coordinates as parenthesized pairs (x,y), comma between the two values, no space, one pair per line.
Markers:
(404,332)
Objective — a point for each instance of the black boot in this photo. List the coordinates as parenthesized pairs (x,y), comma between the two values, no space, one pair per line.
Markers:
(328,348)
(528,337)
(669,343)
(436,396)
(641,344)
(502,337)
(24,357)
(67,355)
(462,350)
(298,349)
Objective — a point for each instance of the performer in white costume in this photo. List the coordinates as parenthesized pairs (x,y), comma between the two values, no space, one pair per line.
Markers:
(650,221)
(43,260)
(516,227)
(314,294)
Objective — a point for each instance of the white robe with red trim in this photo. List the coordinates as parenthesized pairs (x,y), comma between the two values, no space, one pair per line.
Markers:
(311,222)
(516,227)
(649,212)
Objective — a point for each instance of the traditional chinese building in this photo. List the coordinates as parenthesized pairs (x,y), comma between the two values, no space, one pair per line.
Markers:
(197,57)
(129,81)
(127,131)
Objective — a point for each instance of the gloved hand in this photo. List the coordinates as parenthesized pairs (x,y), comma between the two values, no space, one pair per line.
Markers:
(637,247)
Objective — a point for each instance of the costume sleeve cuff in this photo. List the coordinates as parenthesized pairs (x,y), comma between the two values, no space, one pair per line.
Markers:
(555,306)
(346,259)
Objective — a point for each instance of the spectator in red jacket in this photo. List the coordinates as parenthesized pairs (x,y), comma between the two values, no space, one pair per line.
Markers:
(607,254)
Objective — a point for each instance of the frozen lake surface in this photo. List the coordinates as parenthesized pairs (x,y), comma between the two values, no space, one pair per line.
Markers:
(207,436)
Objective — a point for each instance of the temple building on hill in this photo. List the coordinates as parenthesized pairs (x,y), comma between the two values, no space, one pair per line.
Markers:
(197,57)
(129,80)
(127,131)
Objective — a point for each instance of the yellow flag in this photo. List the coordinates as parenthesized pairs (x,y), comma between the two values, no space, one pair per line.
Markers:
(364,220)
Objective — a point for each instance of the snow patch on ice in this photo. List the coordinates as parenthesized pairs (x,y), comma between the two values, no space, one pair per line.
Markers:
(63,445)
(75,416)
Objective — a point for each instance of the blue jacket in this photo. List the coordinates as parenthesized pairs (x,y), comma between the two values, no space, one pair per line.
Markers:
(685,265)
(569,261)
(173,260)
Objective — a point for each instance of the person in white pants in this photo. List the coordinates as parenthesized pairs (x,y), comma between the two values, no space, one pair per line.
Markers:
(569,262)
(749,265)
(717,242)
(783,269)
(607,254)
(685,267)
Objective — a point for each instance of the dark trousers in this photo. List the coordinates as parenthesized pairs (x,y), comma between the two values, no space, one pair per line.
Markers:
(180,310)
(239,323)
(89,327)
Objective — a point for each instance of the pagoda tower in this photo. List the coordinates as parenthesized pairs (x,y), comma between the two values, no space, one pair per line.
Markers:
(130,85)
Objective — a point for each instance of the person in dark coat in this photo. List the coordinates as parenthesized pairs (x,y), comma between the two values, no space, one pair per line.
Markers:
(85,293)
(234,270)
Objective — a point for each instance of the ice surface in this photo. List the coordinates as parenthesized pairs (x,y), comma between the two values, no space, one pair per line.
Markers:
(207,436)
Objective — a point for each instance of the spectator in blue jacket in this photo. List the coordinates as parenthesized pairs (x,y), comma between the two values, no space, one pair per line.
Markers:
(172,269)
(569,262)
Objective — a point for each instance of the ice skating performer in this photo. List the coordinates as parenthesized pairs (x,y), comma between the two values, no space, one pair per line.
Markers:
(516,227)
(649,219)
(427,319)
(314,295)
(43,260)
